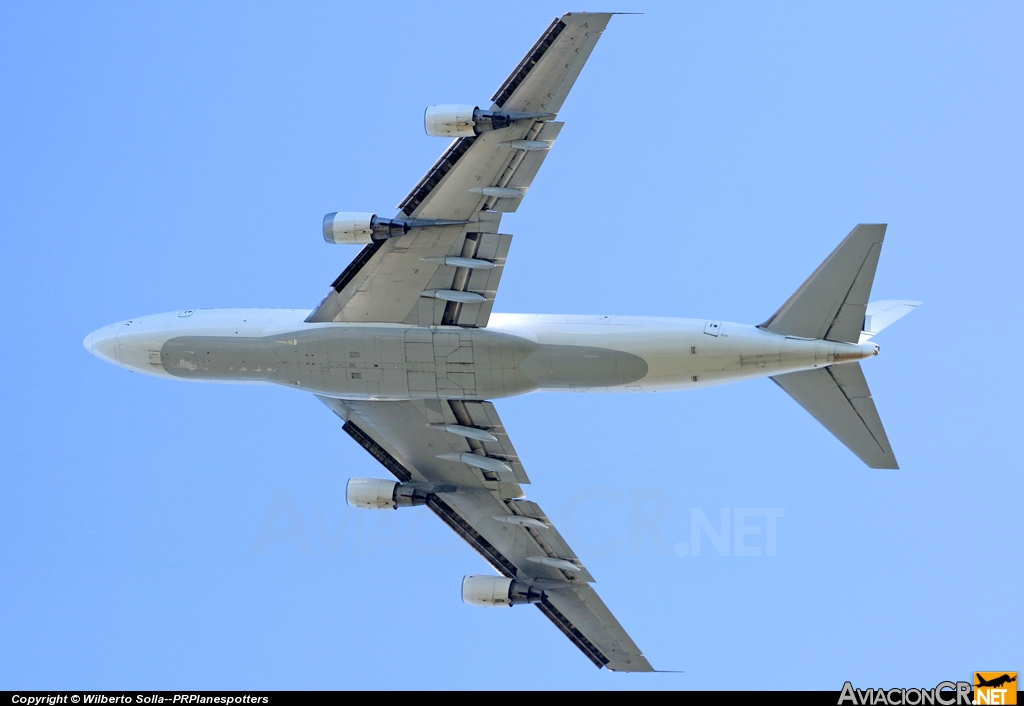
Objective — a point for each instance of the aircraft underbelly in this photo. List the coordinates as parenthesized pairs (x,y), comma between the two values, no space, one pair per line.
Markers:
(361,361)
(519,355)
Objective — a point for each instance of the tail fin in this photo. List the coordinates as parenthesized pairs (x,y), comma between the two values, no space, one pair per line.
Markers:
(839,398)
(831,304)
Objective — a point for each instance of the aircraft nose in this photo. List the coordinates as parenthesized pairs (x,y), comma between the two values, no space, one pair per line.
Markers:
(102,343)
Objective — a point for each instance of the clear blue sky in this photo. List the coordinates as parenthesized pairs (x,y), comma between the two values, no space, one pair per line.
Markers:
(159,156)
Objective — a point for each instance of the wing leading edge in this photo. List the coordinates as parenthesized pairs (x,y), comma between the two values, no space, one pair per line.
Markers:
(408,438)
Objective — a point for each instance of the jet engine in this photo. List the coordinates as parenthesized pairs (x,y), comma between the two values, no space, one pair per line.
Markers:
(493,591)
(361,228)
(465,120)
(378,494)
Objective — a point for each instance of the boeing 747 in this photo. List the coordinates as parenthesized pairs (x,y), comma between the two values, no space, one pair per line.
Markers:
(406,350)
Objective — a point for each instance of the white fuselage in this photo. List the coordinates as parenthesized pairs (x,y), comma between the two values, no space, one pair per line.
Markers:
(515,354)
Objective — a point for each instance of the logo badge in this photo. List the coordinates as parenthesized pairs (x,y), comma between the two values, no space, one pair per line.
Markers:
(995,688)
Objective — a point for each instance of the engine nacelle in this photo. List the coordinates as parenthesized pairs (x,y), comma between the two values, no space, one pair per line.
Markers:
(361,228)
(494,591)
(463,120)
(379,494)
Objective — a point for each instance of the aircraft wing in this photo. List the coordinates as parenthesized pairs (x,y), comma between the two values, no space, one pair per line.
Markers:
(389,281)
(482,501)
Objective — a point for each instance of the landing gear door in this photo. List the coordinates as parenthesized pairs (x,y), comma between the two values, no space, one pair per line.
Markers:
(711,328)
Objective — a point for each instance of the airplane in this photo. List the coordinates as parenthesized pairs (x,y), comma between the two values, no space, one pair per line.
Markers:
(996,681)
(405,349)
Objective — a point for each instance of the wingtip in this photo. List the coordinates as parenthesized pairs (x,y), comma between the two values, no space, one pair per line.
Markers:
(635,664)
(608,14)
(566,14)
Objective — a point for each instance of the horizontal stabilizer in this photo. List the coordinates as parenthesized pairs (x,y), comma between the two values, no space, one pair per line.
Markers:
(831,304)
(839,398)
(880,315)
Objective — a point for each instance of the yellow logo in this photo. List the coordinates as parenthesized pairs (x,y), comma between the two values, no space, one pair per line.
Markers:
(995,688)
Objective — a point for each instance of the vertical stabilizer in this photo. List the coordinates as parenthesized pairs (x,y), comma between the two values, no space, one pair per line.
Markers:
(832,302)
